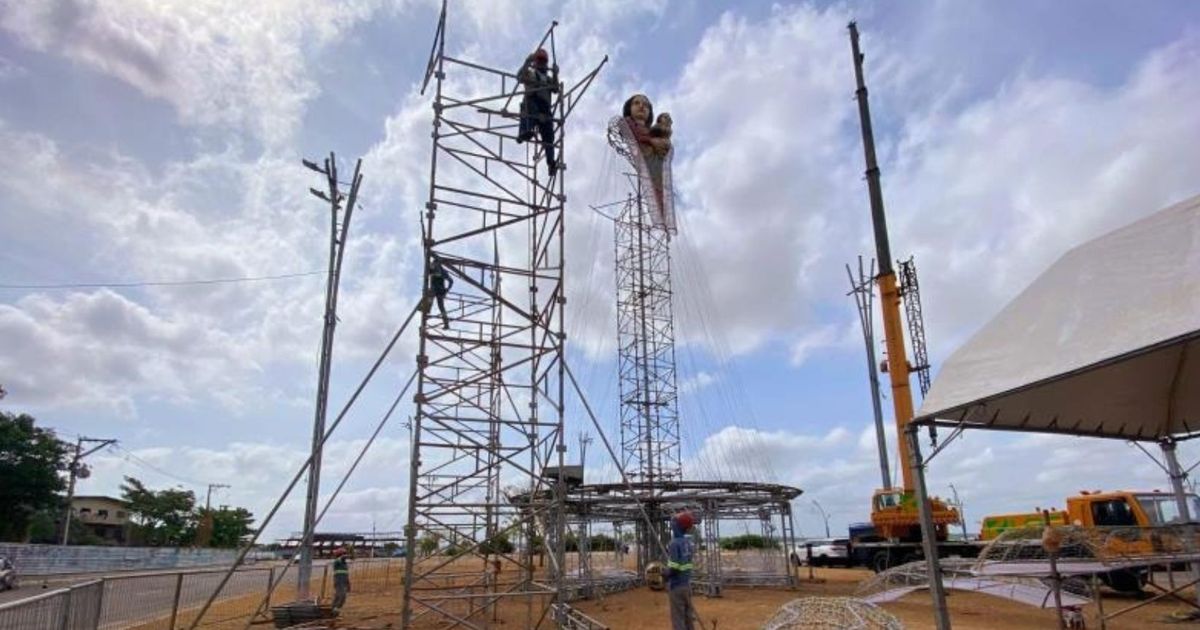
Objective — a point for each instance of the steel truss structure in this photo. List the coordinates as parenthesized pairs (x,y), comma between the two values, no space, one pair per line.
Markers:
(618,507)
(649,409)
(489,403)
(646,345)
(653,488)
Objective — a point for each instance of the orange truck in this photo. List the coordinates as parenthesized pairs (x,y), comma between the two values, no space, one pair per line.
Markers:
(1119,508)
(1132,517)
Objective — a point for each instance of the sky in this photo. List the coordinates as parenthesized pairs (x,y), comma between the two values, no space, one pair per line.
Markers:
(159,141)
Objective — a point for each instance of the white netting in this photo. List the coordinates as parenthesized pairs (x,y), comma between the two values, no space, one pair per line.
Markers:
(835,613)
(1088,550)
(959,574)
(1024,544)
(912,575)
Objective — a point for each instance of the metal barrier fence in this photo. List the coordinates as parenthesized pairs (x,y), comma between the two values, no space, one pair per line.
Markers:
(168,601)
(75,608)
(51,559)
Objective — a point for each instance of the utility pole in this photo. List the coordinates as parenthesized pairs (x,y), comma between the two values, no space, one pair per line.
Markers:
(338,231)
(208,495)
(79,470)
(962,514)
(864,297)
(824,516)
(204,537)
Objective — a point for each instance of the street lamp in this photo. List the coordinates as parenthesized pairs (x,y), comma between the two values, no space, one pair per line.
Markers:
(823,516)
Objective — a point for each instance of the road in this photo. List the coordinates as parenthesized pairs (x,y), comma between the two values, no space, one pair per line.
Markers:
(130,598)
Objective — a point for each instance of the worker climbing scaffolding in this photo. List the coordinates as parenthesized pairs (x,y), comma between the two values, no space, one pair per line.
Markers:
(440,284)
(537,105)
(492,231)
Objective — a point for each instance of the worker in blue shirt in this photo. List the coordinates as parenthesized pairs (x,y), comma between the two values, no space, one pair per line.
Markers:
(679,573)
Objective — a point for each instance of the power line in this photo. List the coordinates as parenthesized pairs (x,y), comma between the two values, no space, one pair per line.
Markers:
(162,283)
(129,456)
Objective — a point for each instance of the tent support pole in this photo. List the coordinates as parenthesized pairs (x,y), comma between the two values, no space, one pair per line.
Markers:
(941,614)
(1178,476)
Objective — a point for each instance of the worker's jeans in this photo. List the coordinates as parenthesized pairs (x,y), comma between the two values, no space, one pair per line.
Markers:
(681,607)
(340,590)
(538,118)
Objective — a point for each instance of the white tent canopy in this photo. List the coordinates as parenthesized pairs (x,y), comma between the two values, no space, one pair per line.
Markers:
(1106,342)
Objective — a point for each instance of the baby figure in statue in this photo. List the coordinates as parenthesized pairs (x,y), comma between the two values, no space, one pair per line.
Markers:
(661,129)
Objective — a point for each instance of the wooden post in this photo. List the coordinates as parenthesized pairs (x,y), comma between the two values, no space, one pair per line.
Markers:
(324,579)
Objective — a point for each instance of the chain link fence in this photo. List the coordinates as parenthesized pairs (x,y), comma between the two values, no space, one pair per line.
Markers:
(168,601)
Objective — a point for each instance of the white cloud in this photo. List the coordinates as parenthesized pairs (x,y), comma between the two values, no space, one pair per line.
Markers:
(217,216)
(697,381)
(989,196)
(240,65)
(761,206)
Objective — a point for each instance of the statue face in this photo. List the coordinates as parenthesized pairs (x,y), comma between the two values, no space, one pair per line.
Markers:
(639,108)
(664,120)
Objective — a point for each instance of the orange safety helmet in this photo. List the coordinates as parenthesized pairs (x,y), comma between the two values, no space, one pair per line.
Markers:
(339,552)
(685,520)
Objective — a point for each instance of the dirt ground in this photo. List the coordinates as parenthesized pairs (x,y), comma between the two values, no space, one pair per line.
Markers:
(747,609)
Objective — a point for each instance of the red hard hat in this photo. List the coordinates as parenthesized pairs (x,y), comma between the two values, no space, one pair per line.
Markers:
(541,55)
(339,552)
(685,520)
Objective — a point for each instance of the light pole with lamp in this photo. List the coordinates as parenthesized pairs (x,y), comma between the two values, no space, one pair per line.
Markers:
(824,516)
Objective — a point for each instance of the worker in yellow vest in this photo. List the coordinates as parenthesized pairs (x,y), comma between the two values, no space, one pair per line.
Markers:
(341,578)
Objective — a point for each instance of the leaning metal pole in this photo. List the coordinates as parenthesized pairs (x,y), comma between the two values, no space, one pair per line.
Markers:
(1178,477)
(488,424)
(339,227)
(864,297)
(941,614)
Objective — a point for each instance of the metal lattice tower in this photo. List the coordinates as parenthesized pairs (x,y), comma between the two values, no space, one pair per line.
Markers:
(646,345)
(911,292)
(489,404)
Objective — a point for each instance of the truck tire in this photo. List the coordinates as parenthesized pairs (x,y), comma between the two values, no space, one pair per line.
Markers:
(1124,580)
(881,561)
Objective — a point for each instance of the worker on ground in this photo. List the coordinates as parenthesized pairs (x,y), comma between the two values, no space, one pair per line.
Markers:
(679,573)
(440,283)
(537,106)
(341,578)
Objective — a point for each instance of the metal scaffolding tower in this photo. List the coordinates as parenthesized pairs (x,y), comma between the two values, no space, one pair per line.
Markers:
(646,363)
(489,404)
(646,346)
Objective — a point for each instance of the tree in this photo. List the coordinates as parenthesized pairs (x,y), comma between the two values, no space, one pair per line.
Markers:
(497,544)
(164,517)
(429,544)
(30,462)
(745,541)
(230,526)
